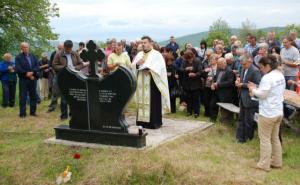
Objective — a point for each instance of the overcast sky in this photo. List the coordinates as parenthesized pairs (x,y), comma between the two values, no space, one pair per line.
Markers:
(82,20)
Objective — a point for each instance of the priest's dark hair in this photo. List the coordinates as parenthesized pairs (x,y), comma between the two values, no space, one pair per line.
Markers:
(147,37)
(68,44)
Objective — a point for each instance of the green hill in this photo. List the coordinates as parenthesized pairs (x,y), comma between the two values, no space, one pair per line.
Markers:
(195,38)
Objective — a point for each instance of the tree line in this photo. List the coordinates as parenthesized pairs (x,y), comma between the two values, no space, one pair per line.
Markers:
(221,30)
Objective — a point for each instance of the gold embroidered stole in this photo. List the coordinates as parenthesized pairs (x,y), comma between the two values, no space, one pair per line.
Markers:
(143,94)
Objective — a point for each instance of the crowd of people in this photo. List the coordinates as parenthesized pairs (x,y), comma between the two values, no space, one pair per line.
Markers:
(251,76)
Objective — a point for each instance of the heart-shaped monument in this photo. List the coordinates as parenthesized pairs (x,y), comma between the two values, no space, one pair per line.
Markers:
(97,104)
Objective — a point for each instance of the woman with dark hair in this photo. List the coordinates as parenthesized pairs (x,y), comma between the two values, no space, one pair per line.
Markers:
(195,53)
(270,95)
(178,64)
(202,50)
(191,72)
(276,52)
(172,80)
(275,49)
(165,50)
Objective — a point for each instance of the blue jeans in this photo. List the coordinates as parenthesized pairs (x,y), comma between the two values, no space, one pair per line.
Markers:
(63,107)
(8,93)
(63,102)
(27,86)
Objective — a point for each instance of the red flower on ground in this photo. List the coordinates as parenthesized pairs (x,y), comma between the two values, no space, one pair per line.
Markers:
(76,156)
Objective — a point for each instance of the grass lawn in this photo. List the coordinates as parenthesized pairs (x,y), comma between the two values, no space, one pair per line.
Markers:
(208,157)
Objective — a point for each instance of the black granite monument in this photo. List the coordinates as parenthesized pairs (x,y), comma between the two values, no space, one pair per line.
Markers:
(97,104)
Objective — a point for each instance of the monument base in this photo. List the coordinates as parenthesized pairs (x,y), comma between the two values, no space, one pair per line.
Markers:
(64,132)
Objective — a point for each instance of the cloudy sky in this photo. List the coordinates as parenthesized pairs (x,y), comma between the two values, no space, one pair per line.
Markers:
(101,19)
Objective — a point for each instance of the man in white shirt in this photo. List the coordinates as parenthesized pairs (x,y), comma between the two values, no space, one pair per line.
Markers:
(289,55)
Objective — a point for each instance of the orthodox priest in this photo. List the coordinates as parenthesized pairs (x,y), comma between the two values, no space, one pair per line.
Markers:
(152,94)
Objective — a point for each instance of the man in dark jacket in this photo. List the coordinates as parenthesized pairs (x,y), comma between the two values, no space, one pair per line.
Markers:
(248,107)
(173,46)
(223,85)
(66,58)
(27,68)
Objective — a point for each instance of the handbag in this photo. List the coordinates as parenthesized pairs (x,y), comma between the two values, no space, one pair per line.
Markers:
(176,91)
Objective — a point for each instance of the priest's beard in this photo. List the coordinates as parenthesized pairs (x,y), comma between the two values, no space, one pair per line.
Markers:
(146,50)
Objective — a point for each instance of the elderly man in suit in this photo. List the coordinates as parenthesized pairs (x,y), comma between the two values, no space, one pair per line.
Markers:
(225,91)
(248,106)
(27,68)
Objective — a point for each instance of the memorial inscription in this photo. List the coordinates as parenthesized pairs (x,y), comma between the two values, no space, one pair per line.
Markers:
(78,94)
(106,96)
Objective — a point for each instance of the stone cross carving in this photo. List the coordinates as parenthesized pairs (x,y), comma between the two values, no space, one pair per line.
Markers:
(92,55)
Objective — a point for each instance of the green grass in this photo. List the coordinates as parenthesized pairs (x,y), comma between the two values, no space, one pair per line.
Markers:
(208,157)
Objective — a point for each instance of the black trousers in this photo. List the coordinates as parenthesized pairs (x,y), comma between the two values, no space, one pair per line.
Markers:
(207,95)
(246,123)
(155,109)
(213,107)
(193,101)
(26,87)
(173,104)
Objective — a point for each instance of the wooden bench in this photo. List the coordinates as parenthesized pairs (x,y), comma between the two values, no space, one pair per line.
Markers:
(290,98)
(293,99)
(230,107)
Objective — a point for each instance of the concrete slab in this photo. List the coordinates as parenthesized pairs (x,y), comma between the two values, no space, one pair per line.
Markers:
(170,130)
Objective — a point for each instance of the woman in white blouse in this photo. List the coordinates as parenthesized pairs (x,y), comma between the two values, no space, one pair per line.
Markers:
(270,96)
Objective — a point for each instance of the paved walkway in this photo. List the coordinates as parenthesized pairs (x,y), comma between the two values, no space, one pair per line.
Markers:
(170,130)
